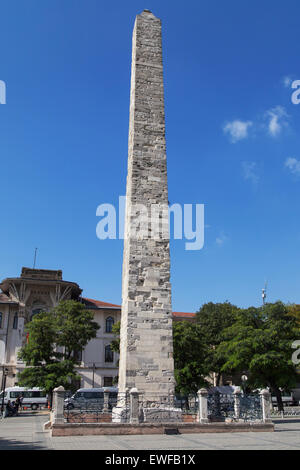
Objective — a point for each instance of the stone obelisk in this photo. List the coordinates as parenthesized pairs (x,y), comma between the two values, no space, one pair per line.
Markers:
(146,346)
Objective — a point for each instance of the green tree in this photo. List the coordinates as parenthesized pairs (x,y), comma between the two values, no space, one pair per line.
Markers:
(115,344)
(213,319)
(294,310)
(260,342)
(189,357)
(55,341)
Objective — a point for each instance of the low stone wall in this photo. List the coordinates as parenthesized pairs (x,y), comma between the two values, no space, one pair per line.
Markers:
(83,418)
(107,417)
(85,429)
(189,417)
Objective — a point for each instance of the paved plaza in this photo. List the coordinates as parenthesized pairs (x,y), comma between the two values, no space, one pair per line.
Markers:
(26,432)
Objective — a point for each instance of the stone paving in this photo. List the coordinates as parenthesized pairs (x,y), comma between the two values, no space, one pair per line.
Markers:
(26,432)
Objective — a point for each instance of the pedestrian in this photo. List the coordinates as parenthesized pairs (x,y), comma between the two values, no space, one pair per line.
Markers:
(21,402)
(9,410)
(17,404)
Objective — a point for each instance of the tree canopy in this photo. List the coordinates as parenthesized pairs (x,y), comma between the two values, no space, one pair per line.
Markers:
(259,342)
(212,320)
(190,353)
(228,340)
(55,340)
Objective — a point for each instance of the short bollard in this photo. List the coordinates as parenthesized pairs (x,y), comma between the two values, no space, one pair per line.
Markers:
(203,410)
(266,405)
(58,405)
(237,403)
(134,406)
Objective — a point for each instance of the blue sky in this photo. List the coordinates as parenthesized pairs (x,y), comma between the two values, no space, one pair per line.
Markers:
(232,141)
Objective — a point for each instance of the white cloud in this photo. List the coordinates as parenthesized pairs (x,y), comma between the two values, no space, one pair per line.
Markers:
(293,165)
(277,119)
(250,172)
(221,239)
(237,129)
(273,121)
(286,81)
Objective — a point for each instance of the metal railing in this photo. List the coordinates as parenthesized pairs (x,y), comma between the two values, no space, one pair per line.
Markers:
(96,411)
(239,407)
(220,406)
(136,407)
(289,411)
(251,408)
(166,408)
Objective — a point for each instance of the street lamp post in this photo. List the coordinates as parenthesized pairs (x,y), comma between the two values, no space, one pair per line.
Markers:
(4,375)
(93,374)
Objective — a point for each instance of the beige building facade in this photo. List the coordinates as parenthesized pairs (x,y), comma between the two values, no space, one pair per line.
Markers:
(42,289)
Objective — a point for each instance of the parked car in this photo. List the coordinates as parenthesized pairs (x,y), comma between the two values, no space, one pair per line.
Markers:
(288,399)
(32,397)
(92,397)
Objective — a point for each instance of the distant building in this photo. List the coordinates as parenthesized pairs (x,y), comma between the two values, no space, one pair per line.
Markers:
(38,290)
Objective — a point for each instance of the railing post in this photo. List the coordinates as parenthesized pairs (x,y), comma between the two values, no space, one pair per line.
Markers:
(134,406)
(266,405)
(106,401)
(58,405)
(203,411)
(237,403)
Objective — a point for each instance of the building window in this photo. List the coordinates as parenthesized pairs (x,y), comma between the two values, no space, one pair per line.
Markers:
(78,355)
(1,318)
(107,382)
(109,324)
(15,323)
(109,354)
(35,312)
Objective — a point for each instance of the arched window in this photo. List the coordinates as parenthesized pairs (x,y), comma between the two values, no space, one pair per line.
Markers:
(15,323)
(109,354)
(109,324)
(1,318)
(35,312)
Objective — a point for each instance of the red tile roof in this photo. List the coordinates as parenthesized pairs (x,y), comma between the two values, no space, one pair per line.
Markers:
(99,304)
(184,315)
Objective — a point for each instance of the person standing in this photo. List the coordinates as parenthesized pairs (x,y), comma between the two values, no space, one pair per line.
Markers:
(17,404)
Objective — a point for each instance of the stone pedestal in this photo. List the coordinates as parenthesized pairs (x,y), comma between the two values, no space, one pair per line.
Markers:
(121,412)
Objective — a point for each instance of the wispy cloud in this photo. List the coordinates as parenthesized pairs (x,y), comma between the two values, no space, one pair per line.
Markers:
(237,130)
(293,165)
(221,239)
(276,120)
(250,172)
(272,121)
(287,81)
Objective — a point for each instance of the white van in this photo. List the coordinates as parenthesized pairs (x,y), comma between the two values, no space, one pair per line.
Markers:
(85,397)
(34,397)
